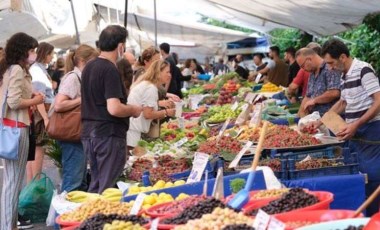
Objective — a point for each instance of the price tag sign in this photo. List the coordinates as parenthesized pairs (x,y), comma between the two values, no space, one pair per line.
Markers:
(275,224)
(235,106)
(235,161)
(258,77)
(250,97)
(181,122)
(138,203)
(180,142)
(223,129)
(199,166)
(154,225)
(261,221)
(256,116)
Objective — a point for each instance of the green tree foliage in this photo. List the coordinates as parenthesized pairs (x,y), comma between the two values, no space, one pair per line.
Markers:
(284,38)
(364,44)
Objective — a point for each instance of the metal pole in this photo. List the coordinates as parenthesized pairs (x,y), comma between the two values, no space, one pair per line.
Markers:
(155,23)
(77,41)
(126,14)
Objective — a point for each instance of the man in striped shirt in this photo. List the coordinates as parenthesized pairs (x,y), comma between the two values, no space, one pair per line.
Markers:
(360,103)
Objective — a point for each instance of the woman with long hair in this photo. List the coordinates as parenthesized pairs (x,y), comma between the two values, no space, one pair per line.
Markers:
(16,84)
(69,97)
(144,92)
(42,83)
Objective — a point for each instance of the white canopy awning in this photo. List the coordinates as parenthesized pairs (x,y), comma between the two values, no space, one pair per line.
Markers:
(318,17)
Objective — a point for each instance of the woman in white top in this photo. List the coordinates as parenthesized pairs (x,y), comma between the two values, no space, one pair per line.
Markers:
(74,163)
(42,83)
(144,92)
(188,73)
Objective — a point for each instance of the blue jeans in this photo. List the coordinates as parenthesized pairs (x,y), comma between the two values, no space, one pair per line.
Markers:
(74,166)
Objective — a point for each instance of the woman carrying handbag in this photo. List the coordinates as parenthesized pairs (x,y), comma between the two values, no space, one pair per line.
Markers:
(74,163)
(144,92)
(16,97)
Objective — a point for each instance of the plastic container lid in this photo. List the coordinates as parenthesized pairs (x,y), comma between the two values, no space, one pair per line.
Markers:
(325,199)
(315,216)
(65,224)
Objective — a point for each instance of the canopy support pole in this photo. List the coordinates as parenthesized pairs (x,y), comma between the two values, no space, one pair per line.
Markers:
(126,14)
(155,24)
(77,40)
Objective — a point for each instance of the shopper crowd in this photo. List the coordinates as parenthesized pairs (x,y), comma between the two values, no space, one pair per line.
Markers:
(122,100)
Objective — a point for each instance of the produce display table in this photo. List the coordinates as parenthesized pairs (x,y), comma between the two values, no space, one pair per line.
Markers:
(349,190)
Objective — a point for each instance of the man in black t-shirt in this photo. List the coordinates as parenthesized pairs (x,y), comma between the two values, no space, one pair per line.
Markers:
(293,65)
(174,86)
(105,115)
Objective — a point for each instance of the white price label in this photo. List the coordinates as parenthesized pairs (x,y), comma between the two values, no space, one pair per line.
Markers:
(235,161)
(199,166)
(181,122)
(275,224)
(180,142)
(261,221)
(256,116)
(250,97)
(138,203)
(223,129)
(258,77)
(154,225)
(235,106)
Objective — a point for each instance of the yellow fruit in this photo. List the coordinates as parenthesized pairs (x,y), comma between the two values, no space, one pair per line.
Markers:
(179,182)
(160,184)
(149,188)
(134,189)
(154,194)
(146,206)
(149,200)
(143,189)
(161,195)
(169,184)
(182,196)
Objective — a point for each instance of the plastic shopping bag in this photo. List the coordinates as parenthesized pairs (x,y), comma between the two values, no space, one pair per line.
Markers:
(311,118)
(35,198)
(50,220)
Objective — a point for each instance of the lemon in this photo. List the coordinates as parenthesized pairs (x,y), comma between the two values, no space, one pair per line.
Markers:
(154,194)
(179,182)
(149,188)
(182,196)
(146,206)
(149,200)
(143,189)
(160,184)
(169,184)
(162,195)
(134,189)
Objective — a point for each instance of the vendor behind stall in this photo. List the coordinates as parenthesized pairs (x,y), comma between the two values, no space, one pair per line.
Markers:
(360,101)
(323,88)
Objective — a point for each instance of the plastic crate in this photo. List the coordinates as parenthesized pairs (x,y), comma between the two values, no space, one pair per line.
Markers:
(247,161)
(197,187)
(326,152)
(350,167)
(211,167)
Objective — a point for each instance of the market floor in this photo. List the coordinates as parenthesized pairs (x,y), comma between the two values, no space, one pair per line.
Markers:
(51,171)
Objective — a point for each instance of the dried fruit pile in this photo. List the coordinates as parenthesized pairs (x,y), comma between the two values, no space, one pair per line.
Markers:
(282,136)
(294,199)
(317,163)
(225,144)
(166,165)
(239,226)
(270,193)
(218,219)
(196,211)
(179,206)
(98,221)
(96,206)
(274,164)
